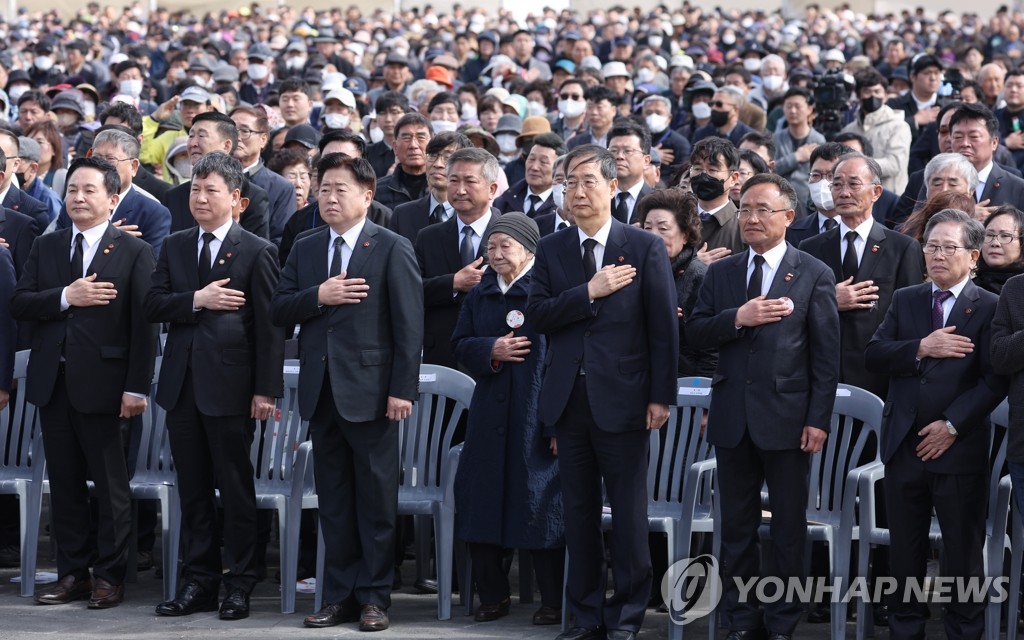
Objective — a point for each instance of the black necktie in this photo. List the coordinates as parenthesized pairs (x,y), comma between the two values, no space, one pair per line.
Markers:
(205,259)
(830,224)
(589,259)
(534,205)
(336,257)
(622,208)
(466,248)
(562,225)
(76,259)
(437,215)
(850,259)
(754,286)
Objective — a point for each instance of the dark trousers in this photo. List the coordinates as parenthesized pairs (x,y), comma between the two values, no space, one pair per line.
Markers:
(213,453)
(81,447)
(742,472)
(586,454)
(960,502)
(356,467)
(491,574)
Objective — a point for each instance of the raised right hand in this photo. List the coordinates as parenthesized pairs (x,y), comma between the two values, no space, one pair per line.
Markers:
(164,111)
(610,279)
(943,343)
(86,292)
(708,256)
(760,311)
(217,298)
(342,290)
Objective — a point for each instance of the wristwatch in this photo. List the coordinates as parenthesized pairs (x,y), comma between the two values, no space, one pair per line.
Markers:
(951,429)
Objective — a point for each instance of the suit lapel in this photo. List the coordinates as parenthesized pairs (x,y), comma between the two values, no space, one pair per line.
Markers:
(64,259)
(109,243)
(450,244)
(831,254)
(481,250)
(124,208)
(571,257)
(924,311)
(365,245)
(190,259)
(874,251)
(786,274)
(738,280)
(964,307)
(993,184)
(228,253)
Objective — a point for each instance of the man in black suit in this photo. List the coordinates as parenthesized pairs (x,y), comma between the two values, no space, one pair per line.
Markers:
(221,371)
(934,344)
(253,133)
(17,230)
(869,262)
(975,135)
(823,159)
(561,217)
(408,219)
(451,254)
(8,328)
(12,197)
(210,132)
(771,313)
(630,143)
(361,313)
(532,194)
(1008,360)
(613,341)
(91,367)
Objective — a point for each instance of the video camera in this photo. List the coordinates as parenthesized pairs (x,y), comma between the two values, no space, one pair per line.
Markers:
(831,91)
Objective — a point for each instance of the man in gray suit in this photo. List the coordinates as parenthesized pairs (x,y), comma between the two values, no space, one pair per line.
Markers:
(355,289)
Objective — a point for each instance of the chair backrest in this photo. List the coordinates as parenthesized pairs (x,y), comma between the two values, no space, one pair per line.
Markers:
(853,441)
(1000,419)
(273,454)
(425,437)
(154,464)
(19,428)
(680,442)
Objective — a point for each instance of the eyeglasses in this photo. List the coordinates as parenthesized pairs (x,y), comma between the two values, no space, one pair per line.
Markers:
(434,157)
(697,170)
(761,213)
(111,159)
(296,176)
(815,176)
(853,187)
(623,151)
(245,132)
(947,250)
(571,96)
(1000,238)
(588,184)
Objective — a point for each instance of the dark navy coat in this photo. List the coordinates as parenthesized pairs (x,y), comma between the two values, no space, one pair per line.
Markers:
(507,490)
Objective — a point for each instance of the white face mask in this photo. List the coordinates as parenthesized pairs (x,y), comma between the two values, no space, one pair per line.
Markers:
(183,167)
(258,71)
(657,122)
(729,39)
(701,110)
(443,126)
(536,108)
(468,111)
(821,195)
(296,63)
(558,196)
(655,42)
(89,108)
(572,108)
(131,88)
(644,75)
(753,65)
(16,92)
(772,83)
(66,120)
(43,63)
(376,134)
(336,120)
(506,142)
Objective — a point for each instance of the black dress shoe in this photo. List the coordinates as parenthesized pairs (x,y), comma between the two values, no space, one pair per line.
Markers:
(779,636)
(235,606)
(819,614)
(331,615)
(491,612)
(144,561)
(67,589)
(191,599)
(746,634)
(621,634)
(547,615)
(582,633)
(426,586)
(373,618)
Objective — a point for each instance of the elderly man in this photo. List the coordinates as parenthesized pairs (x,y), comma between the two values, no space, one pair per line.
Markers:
(991,77)
(673,148)
(12,197)
(29,152)
(253,133)
(934,345)
(533,194)
(725,117)
(890,140)
(950,172)
(409,218)
(408,181)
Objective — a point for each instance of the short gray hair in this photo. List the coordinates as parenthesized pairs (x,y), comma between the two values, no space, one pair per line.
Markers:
(944,161)
(222,164)
(489,166)
(973,232)
(873,167)
(735,92)
(125,143)
(657,98)
(586,153)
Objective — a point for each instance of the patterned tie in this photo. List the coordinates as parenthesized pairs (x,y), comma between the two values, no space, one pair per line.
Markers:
(939,297)
(589,259)
(754,285)
(466,248)
(336,257)
(205,259)
(830,224)
(77,268)
(850,259)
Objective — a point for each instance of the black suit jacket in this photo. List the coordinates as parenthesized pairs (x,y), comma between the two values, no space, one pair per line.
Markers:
(152,218)
(802,228)
(280,197)
(633,217)
(627,342)
(1002,187)
(370,350)
(233,355)
(23,203)
(437,254)
(774,379)
(144,179)
(514,199)
(409,218)
(308,219)
(8,327)
(381,157)
(961,390)
(255,219)
(1008,359)
(109,349)
(892,261)
(19,231)
(547,223)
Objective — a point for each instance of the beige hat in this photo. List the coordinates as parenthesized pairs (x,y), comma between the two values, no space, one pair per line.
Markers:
(533,127)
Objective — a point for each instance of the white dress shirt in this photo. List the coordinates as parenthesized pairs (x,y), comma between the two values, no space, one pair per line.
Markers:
(479,227)
(772,259)
(982,180)
(947,306)
(602,241)
(859,243)
(219,234)
(90,244)
(351,237)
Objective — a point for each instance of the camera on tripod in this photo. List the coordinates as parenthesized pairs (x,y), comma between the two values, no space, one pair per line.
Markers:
(831,91)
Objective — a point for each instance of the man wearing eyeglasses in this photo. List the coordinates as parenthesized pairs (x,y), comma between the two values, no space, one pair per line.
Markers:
(572,109)
(974,132)
(630,144)
(253,129)
(771,312)
(934,345)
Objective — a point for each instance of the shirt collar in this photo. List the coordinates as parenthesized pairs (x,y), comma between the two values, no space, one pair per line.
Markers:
(219,233)
(3,194)
(712,212)
(955,289)
(351,236)
(863,229)
(89,236)
(634,191)
(479,225)
(120,199)
(984,173)
(601,236)
(543,195)
(251,169)
(772,257)
(823,218)
(445,204)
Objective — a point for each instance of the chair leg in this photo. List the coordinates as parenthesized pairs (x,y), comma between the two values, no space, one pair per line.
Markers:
(422,530)
(464,562)
(31,501)
(444,525)
(565,594)
(1016,558)
(287,522)
(132,571)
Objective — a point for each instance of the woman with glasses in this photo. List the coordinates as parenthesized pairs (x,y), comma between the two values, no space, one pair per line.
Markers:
(750,164)
(1001,256)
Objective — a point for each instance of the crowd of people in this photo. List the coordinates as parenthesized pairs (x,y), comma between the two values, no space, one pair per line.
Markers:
(574,209)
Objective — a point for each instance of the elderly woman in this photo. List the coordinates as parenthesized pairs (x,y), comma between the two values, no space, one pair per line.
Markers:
(507,491)
(672,215)
(293,166)
(1001,256)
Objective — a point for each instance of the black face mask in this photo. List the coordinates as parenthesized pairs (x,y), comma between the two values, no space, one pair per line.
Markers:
(871,105)
(21,179)
(707,188)
(719,118)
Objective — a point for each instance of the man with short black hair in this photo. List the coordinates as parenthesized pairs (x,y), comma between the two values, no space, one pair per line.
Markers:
(295,101)
(532,194)
(630,144)
(714,166)
(725,117)
(253,132)
(389,107)
(920,105)
(796,142)
(974,133)
(602,106)
(408,181)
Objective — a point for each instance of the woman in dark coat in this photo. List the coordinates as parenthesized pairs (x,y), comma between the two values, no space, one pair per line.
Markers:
(1001,254)
(507,492)
(672,215)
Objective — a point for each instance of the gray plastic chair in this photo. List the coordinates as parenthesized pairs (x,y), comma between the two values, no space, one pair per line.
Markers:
(23,469)
(155,479)
(280,463)
(995,526)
